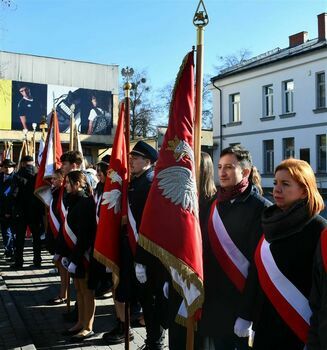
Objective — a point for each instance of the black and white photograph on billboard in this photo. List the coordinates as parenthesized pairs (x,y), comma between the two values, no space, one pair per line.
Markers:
(29,104)
(92,109)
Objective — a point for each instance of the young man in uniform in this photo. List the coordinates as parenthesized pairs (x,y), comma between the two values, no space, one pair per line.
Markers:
(139,279)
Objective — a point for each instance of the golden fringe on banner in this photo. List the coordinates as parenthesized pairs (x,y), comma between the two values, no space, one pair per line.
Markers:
(169,260)
(109,263)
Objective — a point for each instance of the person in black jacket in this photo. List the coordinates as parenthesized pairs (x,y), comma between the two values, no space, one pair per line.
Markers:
(279,287)
(237,209)
(317,339)
(79,234)
(6,179)
(28,211)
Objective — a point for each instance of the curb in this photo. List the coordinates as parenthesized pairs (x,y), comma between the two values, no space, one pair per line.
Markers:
(23,339)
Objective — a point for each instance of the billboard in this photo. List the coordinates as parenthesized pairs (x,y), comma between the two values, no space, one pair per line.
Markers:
(23,103)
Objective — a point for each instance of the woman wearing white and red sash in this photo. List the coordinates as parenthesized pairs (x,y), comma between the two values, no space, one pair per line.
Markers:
(53,236)
(99,280)
(79,233)
(282,280)
(317,339)
(231,229)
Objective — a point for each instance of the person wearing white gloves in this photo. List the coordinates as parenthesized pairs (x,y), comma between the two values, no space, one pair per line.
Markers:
(231,229)
(79,234)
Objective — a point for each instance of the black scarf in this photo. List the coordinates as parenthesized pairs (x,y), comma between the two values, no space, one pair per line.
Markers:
(278,224)
(224,195)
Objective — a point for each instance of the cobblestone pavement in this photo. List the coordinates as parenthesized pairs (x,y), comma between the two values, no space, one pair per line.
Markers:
(27,323)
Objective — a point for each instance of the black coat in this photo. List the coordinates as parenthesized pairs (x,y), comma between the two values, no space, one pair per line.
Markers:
(25,205)
(5,192)
(293,250)
(242,220)
(81,220)
(318,302)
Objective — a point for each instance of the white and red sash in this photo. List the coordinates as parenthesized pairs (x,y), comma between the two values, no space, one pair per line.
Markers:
(61,207)
(133,235)
(228,255)
(71,240)
(53,221)
(324,248)
(292,306)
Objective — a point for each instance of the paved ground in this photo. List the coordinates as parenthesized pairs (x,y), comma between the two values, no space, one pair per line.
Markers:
(26,322)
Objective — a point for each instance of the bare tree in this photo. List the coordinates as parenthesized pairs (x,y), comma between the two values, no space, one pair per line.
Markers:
(231,60)
(165,95)
(142,107)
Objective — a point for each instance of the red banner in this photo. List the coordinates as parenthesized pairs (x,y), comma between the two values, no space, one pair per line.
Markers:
(170,227)
(50,161)
(113,205)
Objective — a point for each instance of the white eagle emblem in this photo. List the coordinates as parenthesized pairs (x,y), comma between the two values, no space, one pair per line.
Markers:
(113,199)
(178,185)
(114,176)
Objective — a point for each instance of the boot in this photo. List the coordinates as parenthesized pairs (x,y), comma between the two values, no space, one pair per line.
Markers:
(117,335)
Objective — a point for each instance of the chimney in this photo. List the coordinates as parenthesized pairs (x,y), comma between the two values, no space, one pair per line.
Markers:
(322,26)
(298,39)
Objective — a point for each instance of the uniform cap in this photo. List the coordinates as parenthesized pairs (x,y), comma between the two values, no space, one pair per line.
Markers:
(145,150)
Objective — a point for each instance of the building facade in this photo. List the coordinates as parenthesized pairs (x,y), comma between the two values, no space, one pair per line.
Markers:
(275,105)
(31,86)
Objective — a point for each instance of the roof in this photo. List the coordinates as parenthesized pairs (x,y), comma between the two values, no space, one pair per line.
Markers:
(272,56)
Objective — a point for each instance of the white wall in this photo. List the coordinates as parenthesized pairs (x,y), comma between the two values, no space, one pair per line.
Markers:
(302,70)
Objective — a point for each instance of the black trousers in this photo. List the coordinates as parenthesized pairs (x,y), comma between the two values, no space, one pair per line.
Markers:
(20,227)
(152,312)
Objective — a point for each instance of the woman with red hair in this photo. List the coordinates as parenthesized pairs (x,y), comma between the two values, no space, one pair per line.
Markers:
(280,285)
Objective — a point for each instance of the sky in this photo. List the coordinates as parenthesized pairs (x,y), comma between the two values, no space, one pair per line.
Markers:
(152,34)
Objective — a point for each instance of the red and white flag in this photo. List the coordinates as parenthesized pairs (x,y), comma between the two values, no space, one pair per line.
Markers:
(170,227)
(50,161)
(114,204)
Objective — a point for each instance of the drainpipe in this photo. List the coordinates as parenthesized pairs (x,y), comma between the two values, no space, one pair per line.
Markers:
(221,115)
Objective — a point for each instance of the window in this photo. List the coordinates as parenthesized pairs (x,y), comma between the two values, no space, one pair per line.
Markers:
(288,148)
(321,153)
(235,108)
(288,91)
(268,156)
(268,101)
(321,90)
(305,154)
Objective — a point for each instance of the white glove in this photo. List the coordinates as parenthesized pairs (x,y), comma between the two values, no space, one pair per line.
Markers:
(165,290)
(140,271)
(72,267)
(56,257)
(108,270)
(65,262)
(242,328)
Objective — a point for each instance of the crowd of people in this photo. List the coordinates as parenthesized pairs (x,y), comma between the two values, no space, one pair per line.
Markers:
(265,264)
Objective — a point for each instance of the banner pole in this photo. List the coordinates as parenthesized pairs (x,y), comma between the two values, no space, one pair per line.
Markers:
(200,20)
(127,88)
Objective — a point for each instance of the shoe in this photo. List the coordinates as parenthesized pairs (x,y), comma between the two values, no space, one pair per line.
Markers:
(16,266)
(117,335)
(37,264)
(80,337)
(56,301)
(68,332)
